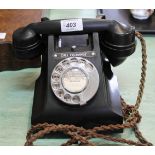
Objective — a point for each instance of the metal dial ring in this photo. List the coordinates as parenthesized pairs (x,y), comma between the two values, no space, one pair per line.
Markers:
(75,80)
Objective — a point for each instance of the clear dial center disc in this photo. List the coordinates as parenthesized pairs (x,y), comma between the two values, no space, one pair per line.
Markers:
(74,80)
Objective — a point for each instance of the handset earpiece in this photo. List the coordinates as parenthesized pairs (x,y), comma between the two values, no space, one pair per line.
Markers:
(118,42)
(27,43)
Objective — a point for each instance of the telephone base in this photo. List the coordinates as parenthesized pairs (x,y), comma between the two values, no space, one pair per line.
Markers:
(88,116)
(103,108)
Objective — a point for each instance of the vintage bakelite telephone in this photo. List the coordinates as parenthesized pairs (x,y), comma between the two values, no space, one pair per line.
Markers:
(76,84)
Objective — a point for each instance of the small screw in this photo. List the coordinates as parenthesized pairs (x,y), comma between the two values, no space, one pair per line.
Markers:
(93,53)
(55,55)
(73,48)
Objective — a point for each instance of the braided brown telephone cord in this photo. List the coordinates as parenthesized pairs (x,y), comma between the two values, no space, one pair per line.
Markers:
(81,136)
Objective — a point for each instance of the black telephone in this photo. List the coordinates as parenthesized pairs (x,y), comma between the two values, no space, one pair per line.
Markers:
(76,84)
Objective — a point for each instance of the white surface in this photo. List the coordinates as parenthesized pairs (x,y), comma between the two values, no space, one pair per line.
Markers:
(2,35)
(74,80)
(71,25)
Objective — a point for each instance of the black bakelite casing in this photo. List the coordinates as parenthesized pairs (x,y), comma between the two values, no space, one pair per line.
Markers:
(116,40)
(119,44)
(110,39)
(27,43)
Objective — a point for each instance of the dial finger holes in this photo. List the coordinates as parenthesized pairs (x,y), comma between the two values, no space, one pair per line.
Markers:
(65,63)
(67,98)
(55,77)
(59,69)
(60,93)
(72,78)
(56,85)
(75,60)
(82,61)
(89,66)
(76,99)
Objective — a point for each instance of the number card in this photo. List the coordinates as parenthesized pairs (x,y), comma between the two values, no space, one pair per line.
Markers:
(71,25)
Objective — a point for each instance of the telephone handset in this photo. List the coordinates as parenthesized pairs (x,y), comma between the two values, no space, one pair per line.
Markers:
(76,84)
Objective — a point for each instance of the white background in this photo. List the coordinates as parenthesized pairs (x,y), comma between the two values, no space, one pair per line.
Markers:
(78,4)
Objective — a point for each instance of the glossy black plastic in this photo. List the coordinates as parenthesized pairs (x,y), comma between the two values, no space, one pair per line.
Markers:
(109,39)
(117,41)
(117,46)
(103,108)
(26,43)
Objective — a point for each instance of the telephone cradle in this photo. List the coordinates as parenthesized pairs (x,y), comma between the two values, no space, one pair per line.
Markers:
(76,84)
